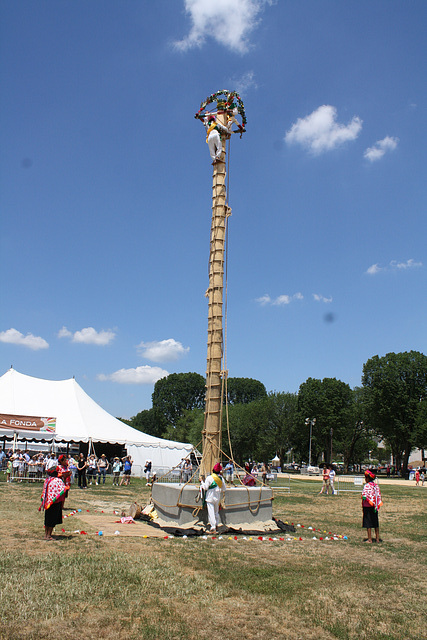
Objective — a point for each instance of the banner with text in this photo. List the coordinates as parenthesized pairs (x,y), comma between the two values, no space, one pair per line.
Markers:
(27,423)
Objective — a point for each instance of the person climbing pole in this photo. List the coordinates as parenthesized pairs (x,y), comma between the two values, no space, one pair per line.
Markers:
(214,129)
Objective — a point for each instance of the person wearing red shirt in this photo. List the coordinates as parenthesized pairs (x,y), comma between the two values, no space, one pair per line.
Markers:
(64,472)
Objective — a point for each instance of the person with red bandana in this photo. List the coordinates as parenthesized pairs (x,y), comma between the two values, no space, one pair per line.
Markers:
(53,496)
(371,502)
(213,489)
(64,472)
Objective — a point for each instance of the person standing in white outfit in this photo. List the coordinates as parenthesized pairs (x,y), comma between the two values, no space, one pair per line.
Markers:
(214,489)
(332,478)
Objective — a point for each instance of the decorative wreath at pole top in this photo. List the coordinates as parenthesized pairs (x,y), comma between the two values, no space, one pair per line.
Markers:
(228,102)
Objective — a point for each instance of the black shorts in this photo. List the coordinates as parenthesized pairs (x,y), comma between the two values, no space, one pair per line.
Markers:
(370,518)
(127,472)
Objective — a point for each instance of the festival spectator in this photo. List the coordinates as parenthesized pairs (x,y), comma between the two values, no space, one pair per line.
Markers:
(51,462)
(102,468)
(72,465)
(91,468)
(81,470)
(40,466)
(188,470)
(229,472)
(53,496)
(9,472)
(22,467)
(32,469)
(15,466)
(417,478)
(117,465)
(127,462)
(181,470)
(332,475)
(147,469)
(325,478)
(265,470)
(248,480)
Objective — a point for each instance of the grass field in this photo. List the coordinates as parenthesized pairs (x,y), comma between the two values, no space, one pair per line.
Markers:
(106,588)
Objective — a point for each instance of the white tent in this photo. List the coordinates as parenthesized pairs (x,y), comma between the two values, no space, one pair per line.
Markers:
(78,419)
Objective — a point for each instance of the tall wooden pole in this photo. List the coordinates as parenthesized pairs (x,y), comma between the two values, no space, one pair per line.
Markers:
(214,370)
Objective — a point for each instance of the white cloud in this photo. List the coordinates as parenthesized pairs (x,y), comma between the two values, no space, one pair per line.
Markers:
(12,336)
(394,265)
(163,351)
(281,300)
(320,298)
(374,269)
(139,375)
(265,299)
(229,22)
(244,83)
(380,148)
(320,131)
(64,333)
(409,264)
(89,335)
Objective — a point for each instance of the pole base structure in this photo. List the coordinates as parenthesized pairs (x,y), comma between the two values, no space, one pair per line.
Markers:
(249,507)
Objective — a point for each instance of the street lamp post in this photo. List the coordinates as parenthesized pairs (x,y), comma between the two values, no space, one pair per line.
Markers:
(310,422)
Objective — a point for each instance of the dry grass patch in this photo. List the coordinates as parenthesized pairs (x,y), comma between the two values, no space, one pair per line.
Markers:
(132,588)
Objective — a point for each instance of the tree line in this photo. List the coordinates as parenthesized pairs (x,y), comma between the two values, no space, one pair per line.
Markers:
(390,406)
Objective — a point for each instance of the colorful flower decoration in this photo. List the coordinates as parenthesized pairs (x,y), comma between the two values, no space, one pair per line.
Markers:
(226,101)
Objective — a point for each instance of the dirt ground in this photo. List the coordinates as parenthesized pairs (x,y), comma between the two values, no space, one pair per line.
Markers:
(110,525)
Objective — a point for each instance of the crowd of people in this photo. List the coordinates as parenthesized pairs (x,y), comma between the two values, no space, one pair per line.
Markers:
(85,470)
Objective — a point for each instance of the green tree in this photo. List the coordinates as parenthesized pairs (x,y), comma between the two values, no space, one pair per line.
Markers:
(260,429)
(125,420)
(188,428)
(396,386)
(244,390)
(243,434)
(330,402)
(282,423)
(178,392)
(150,421)
(358,437)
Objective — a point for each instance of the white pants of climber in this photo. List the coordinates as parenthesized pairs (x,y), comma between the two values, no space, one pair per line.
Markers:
(213,514)
(215,145)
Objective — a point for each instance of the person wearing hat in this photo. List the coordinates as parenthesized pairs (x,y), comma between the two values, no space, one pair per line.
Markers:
(213,489)
(102,468)
(147,469)
(64,472)
(117,465)
(52,498)
(371,502)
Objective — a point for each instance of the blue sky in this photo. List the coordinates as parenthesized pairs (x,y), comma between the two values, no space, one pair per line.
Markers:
(106,181)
